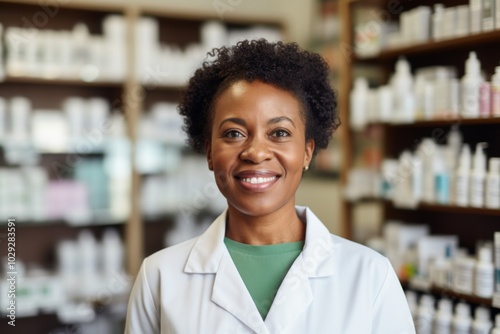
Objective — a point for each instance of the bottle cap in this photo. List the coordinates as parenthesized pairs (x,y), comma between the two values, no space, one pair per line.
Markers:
(480,157)
(472,65)
(485,255)
(462,310)
(494,165)
(482,314)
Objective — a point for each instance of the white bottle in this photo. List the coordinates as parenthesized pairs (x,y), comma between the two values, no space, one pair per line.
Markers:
(488,15)
(493,184)
(437,21)
(454,142)
(482,323)
(2,69)
(462,176)
(359,104)
(471,83)
(425,315)
(462,320)
(475,16)
(478,175)
(443,317)
(402,88)
(496,330)
(484,274)
(427,151)
(441,177)
(495,92)
(411,298)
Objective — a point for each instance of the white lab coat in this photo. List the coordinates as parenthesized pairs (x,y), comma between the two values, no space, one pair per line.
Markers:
(334,286)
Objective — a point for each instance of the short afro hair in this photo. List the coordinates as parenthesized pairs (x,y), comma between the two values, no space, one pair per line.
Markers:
(283,65)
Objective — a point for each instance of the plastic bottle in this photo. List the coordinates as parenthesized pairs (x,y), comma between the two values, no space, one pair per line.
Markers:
(437,21)
(461,320)
(475,16)
(485,99)
(441,177)
(404,100)
(454,141)
(478,175)
(484,274)
(471,83)
(443,317)
(2,69)
(462,176)
(496,246)
(496,330)
(495,93)
(482,323)
(493,184)
(427,151)
(359,103)
(411,298)
(425,315)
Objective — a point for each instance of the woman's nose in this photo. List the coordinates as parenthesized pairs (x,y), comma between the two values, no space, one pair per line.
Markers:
(257,150)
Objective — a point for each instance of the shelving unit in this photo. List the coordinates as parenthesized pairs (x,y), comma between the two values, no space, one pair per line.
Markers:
(470,224)
(142,235)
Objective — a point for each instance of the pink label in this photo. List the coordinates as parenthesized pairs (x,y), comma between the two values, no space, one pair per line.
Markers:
(495,102)
(485,100)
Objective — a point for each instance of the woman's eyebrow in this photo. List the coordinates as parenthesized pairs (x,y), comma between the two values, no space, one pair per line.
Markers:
(236,120)
(242,122)
(280,119)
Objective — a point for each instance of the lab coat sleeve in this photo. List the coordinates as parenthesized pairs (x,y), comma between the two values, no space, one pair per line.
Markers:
(391,311)
(142,314)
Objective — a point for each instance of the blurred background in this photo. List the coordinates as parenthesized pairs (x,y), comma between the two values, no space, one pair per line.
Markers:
(95,174)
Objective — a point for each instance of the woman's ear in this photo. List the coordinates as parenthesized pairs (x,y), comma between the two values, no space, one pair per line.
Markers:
(208,152)
(310,144)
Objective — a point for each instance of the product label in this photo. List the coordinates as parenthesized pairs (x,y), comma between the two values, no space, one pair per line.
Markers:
(484,283)
(442,188)
(461,190)
(477,191)
(493,193)
(495,99)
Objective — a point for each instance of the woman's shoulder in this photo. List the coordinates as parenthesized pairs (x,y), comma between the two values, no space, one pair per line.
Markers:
(358,254)
(169,257)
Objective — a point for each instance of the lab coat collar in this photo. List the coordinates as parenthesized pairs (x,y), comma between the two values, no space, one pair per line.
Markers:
(210,255)
(316,259)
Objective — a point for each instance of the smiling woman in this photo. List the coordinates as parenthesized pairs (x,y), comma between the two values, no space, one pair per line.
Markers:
(260,111)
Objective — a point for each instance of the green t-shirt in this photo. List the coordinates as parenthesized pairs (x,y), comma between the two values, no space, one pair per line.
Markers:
(263,268)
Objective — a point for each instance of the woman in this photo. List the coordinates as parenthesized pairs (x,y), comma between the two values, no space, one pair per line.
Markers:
(260,111)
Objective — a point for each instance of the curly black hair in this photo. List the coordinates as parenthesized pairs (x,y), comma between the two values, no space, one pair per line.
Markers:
(283,65)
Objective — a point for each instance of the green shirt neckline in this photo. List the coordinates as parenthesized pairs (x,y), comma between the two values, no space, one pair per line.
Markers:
(263,268)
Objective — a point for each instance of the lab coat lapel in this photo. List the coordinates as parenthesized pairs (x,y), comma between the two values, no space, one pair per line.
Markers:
(295,294)
(210,256)
(231,294)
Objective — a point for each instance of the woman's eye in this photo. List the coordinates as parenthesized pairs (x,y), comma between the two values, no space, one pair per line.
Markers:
(232,134)
(281,133)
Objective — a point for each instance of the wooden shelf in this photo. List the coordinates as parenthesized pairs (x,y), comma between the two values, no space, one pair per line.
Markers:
(450,294)
(450,209)
(487,38)
(440,122)
(57,82)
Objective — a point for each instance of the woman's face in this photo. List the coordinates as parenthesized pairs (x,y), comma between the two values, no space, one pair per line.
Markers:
(258,148)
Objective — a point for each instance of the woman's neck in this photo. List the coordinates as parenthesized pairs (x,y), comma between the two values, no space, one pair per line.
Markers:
(277,227)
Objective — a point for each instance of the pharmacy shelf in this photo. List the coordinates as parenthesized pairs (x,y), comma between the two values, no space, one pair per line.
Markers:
(449,122)
(449,294)
(60,82)
(448,209)
(439,122)
(433,47)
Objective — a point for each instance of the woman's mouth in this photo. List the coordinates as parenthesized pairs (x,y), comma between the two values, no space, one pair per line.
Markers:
(258,180)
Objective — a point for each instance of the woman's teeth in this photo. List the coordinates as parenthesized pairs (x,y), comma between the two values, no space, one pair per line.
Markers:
(257,180)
